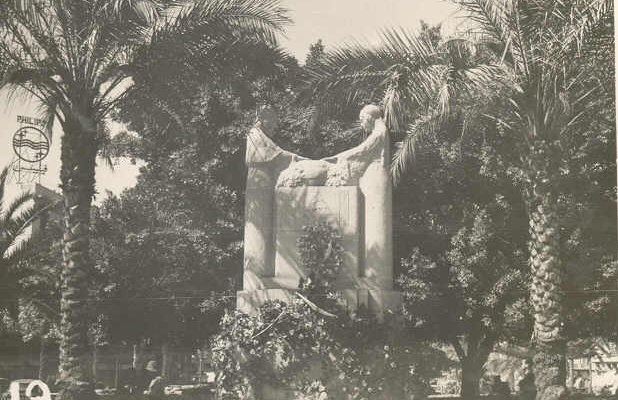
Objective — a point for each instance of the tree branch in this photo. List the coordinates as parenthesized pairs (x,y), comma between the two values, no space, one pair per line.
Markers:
(314,307)
(458,349)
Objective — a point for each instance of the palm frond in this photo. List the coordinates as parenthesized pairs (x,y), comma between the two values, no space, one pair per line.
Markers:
(17,218)
(30,33)
(21,77)
(587,20)
(14,229)
(491,16)
(393,74)
(37,82)
(425,125)
(8,213)
(261,19)
(344,78)
(17,252)
(393,108)
(147,10)
(48,112)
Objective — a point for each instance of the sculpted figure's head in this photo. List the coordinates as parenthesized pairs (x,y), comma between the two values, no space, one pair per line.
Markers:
(368,115)
(267,120)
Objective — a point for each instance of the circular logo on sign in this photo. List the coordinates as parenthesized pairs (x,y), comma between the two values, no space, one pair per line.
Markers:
(30,144)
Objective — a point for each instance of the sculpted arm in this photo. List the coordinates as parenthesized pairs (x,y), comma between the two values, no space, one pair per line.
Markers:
(372,123)
(260,147)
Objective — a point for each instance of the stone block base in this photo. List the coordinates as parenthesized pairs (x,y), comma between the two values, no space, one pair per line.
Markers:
(377,301)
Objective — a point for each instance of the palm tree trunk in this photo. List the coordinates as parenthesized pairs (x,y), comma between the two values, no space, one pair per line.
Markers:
(549,362)
(77,177)
(46,360)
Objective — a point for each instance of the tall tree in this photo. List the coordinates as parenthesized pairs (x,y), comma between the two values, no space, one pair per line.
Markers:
(541,42)
(461,232)
(533,49)
(316,50)
(76,57)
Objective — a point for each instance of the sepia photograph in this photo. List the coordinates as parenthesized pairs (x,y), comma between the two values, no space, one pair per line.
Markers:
(308,200)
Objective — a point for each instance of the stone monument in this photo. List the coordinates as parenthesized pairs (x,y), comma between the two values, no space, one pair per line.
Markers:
(352,191)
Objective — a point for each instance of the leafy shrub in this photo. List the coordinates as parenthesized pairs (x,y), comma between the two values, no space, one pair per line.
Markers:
(310,347)
(295,349)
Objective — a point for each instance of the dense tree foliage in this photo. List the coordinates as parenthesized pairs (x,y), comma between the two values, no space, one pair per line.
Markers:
(153,276)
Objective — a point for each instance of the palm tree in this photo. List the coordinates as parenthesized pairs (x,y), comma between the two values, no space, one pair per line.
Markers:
(79,58)
(531,51)
(15,219)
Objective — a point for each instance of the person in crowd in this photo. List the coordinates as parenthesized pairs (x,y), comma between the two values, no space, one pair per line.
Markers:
(156,386)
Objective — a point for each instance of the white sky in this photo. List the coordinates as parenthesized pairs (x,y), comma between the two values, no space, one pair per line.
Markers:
(340,21)
(334,21)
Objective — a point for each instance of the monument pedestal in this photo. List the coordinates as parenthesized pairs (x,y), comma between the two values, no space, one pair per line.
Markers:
(376,301)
